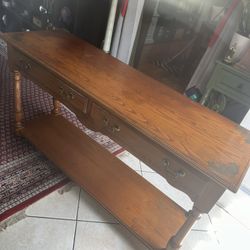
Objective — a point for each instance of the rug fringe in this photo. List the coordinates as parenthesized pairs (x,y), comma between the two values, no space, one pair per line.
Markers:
(12,220)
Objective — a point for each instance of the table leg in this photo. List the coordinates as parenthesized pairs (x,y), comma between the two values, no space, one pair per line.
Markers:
(18,102)
(175,242)
(209,195)
(57,107)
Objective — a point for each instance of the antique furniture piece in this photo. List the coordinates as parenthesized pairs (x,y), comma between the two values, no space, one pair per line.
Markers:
(196,150)
(230,82)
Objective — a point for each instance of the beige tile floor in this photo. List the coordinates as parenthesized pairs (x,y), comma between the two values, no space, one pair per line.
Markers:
(73,220)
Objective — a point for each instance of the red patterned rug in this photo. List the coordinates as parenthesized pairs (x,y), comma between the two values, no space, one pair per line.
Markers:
(25,174)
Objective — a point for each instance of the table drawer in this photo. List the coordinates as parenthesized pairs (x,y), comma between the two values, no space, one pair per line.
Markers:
(78,103)
(177,172)
(235,82)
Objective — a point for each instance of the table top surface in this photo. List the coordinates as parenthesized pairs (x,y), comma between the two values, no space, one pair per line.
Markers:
(204,139)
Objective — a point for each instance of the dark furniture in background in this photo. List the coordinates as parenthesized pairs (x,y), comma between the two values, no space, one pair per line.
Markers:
(84,18)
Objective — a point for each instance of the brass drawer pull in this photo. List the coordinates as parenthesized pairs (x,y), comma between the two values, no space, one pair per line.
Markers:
(166,163)
(71,96)
(62,93)
(180,173)
(24,66)
(105,121)
(66,95)
(175,174)
(115,128)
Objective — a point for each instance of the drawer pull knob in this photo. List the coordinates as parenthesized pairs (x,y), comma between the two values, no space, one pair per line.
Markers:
(116,128)
(65,95)
(71,96)
(27,66)
(166,163)
(175,174)
(24,66)
(113,129)
(105,121)
(180,173)
(62,92)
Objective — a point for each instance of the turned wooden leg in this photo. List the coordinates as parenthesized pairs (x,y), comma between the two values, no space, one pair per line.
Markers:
(57,107)
(175,242)
(18,102)
(209,194)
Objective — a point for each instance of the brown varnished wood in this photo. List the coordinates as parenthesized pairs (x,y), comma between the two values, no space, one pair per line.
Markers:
(203,191)
(198,136)
(134,201)
(178,173)
(46,80)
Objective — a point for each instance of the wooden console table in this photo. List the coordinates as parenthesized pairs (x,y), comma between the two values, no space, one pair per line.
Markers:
(195,149)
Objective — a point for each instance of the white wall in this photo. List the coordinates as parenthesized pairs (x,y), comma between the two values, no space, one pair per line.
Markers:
(124,39)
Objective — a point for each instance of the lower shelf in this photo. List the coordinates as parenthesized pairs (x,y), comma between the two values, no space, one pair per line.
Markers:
(138,205)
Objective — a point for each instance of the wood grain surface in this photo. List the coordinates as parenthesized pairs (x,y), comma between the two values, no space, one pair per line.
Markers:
(134,201)
(200,137)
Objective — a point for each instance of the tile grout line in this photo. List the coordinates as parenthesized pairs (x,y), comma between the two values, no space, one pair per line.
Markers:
(77,211)
(214,231)
(221,207)
(140,168)
(201,230)
(49,218)
(99,222)
(147,171)
(72,220)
